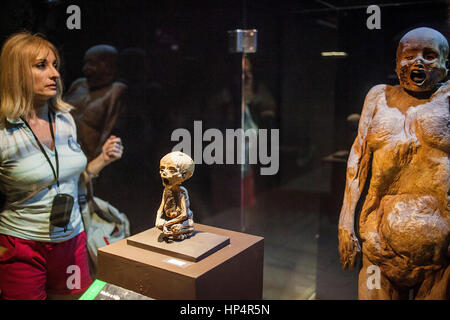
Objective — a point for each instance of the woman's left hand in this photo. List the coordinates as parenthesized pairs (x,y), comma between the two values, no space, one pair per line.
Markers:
(112,150)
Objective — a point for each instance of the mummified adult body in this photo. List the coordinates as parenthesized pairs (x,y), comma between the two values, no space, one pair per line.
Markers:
(404,139)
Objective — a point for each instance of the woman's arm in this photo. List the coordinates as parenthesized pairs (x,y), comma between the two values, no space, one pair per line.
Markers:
(357,169)
(112,150)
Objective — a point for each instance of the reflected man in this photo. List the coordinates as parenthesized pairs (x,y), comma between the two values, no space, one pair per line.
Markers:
(96,98)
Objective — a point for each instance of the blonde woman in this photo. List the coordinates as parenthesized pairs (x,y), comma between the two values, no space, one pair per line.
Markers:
(42,240)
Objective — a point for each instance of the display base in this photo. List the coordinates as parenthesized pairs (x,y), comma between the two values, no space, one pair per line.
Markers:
(200,245)
(233,272)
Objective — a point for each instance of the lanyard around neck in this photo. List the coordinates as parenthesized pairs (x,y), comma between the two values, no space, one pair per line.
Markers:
(55,172)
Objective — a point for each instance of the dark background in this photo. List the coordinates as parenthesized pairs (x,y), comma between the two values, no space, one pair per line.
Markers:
(186,63)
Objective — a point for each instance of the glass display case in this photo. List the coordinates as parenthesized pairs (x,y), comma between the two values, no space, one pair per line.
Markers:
(298,95)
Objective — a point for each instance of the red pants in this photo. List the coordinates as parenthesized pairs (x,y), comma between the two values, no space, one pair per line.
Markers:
(30,269)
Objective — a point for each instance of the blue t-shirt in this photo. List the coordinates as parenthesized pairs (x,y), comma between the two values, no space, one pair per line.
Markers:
(27,180)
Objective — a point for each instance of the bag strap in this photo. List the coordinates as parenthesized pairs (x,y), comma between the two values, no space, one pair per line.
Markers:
(93,206)
(87,198)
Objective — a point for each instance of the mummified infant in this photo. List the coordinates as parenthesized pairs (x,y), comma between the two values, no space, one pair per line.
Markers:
(174,218)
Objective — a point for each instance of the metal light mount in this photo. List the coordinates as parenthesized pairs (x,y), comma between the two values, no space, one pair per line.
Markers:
(242,41)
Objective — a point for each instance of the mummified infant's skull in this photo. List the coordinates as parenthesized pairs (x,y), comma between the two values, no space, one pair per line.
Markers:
(175,168)
(174,217)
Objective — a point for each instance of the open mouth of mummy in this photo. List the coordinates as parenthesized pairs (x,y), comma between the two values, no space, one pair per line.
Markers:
(418,76)
(165,181)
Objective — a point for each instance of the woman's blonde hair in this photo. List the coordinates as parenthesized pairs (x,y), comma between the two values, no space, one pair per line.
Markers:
(18,54)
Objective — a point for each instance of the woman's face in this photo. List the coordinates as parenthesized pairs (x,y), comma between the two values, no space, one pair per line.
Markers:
(45,74)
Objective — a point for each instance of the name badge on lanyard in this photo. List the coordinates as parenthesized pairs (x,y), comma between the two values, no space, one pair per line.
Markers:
(62,204)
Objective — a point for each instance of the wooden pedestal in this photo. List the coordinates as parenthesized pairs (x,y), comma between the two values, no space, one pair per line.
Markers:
(200,245)
(234,271)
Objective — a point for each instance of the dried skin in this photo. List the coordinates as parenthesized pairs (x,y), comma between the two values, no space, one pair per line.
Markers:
(404,223)
(174,217)
(405,220)
(350,249)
